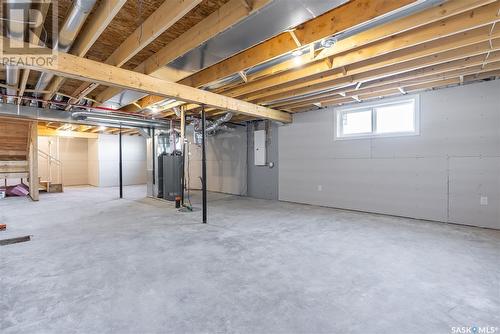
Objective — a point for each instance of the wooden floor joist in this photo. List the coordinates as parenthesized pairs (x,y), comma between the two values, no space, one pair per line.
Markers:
(436,35)
(330,23)
(88,70)
(228,15)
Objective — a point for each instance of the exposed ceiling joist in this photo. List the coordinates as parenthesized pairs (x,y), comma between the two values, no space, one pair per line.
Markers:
(392,28)
(392,66)
(328,24)
(478,17)
(88,70)
(34,39)
(225,17)
(457,68)
(163,18)
(311,31)
(98,22)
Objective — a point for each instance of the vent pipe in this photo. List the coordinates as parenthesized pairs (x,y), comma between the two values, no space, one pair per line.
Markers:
(67,34)
(15,30)
(117,119)
(212,126)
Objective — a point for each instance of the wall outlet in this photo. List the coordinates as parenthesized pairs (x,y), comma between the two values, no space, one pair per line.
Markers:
(320,187)
(483,200)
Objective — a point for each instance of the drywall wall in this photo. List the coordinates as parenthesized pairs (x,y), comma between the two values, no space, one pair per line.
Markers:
(226,161)
(439,175)
(263,181)
(93,162)
(72,152)
(134,160)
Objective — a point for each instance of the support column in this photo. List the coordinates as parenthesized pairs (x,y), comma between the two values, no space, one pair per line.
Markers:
(33,161)
(183,145)
(203,164)
(120,163)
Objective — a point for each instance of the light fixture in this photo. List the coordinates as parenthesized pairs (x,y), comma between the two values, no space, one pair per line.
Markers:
(65,133)
(297,61)
(102,128)
(154,109)
(297,53)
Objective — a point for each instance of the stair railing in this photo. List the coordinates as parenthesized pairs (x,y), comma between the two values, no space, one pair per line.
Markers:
(52,161)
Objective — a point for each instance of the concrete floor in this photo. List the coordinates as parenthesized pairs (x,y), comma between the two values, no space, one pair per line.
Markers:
(101,265)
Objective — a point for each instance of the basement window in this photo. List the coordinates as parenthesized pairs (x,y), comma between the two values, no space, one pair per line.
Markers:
(399,117)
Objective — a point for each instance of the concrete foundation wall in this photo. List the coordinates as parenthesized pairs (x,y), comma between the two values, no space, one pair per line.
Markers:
(226,162)
(439,175)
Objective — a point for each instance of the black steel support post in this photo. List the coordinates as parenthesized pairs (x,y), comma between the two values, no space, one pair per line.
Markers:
(183,177)
(120,163)
(154,155)
(203,165)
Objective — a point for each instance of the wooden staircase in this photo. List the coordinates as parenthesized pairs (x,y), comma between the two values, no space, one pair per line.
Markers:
(20,157)
(18,144)
(51,183)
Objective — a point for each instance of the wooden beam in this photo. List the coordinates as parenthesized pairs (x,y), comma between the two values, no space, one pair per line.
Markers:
(97,23)
(34,39)
(326,25)
(295,38)
(222,19)
(478,17)
(448,70)
(44,131)
(406,57)
(468,43)
(412,88)
(33,162)
(416,20)
(88,70)
(163,18)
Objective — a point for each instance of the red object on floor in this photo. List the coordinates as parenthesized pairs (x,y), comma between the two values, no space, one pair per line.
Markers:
(3,227)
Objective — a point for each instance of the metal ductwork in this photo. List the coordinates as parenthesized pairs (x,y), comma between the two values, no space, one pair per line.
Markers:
(15,30)
(212,126)
(216,125)
(67,34)
(114,119)
(81,117)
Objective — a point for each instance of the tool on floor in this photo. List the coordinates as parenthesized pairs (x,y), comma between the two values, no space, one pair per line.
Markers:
(10,241)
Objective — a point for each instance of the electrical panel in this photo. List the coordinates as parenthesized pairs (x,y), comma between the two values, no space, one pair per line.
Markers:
(259,145)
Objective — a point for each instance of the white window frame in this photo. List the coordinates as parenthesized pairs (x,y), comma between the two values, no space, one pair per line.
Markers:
(339,112)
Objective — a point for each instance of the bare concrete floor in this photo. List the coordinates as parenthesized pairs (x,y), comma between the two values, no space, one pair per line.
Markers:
(97,264)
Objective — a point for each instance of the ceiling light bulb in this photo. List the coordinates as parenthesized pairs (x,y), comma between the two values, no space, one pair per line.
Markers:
(297,61)
(102,128)
(297,53)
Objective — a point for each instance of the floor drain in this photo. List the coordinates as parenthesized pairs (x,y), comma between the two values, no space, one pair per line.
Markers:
(5,242)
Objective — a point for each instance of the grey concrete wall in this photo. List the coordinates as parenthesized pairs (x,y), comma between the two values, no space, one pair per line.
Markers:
(262,181)
(439,175)
(226,162)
